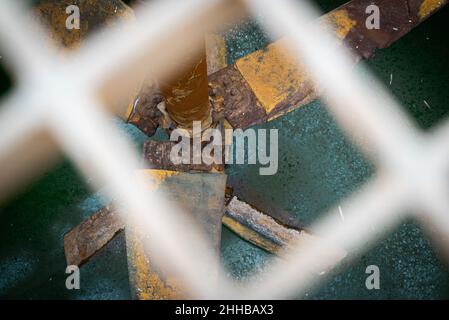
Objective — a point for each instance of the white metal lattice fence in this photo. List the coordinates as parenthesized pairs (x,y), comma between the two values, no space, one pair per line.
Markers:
(58,95)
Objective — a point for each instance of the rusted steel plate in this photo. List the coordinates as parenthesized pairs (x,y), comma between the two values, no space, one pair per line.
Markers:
(91,235)
(268,83)
(200,195)
(265,232)
(397,18)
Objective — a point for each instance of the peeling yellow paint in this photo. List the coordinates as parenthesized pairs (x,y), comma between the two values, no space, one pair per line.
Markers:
(428,7)
(198,195)
(146,277)
(152,283)
(274,75)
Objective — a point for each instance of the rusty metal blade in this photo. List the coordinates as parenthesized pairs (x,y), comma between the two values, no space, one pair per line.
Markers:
(269,83)
(91,235)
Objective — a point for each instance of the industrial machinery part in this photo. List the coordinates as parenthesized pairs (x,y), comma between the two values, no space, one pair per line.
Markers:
(257,88)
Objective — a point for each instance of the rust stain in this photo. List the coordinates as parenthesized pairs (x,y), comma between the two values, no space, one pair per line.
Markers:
(187,94)
(272,83)
(143,111)
(232,99)
(429,6)
(95,16)
(156,155)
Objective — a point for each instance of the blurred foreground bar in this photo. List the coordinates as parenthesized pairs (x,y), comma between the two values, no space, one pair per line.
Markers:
(199,195)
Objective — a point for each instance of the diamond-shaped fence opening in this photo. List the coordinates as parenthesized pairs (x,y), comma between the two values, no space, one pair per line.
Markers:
(56,95)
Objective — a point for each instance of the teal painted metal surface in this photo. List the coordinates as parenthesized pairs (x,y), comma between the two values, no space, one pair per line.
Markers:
(318,167)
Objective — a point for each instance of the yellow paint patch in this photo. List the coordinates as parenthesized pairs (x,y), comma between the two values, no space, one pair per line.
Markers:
(272,74)
(429,6)
(157,176)
(152,286)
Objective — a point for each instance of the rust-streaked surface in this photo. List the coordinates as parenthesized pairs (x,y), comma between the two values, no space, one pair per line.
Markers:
(186,94)
(200,195)
(91,235)
(268,83)
(233,99)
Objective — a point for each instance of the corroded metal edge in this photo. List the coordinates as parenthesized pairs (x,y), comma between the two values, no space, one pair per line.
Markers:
(91,235)
(263,231)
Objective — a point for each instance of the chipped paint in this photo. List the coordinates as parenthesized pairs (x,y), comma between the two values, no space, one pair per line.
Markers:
(429,6)
(148,281)
(275,76)
(272,74)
